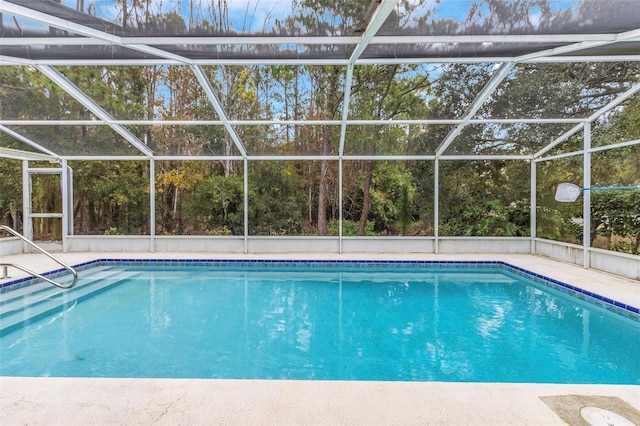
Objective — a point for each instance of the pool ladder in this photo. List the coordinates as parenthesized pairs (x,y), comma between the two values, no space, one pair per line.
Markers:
(35,274)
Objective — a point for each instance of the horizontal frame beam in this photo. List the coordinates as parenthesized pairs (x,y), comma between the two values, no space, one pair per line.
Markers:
(311,40)
(591,150)
(286,122)
(409,157)
(18,154)
(13,61)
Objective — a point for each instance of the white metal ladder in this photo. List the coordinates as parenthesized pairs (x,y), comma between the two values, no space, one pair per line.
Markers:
(35,274)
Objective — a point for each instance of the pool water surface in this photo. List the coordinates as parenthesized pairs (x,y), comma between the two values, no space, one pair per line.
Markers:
(459,322)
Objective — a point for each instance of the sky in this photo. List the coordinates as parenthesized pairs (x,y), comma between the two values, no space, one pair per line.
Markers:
(257,11)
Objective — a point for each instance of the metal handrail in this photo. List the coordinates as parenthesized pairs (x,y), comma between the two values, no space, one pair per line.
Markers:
(43,251)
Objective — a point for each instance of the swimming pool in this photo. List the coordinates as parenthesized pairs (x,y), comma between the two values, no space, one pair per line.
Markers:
(323,320)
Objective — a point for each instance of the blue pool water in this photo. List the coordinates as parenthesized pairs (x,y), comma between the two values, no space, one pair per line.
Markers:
(338,321)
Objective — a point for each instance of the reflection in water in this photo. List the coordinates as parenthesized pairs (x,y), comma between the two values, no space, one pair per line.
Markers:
(586,335)
(490,325)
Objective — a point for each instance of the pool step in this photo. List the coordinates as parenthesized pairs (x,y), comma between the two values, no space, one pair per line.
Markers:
(45,289)
(28,307)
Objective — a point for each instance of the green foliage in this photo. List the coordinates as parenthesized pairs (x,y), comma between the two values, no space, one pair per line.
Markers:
(615,221)
(112,231)
(392,206)
(220,231)
(218,205)
(111,195)
(613,213)
(485,198)
(491,218)
(617,214)
(555,220)
(405,211)
(392,201)
(350,228)
(108,86)
(275,204)
(25,93)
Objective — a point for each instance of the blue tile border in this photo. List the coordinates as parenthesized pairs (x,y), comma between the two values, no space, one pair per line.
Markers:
(609,304)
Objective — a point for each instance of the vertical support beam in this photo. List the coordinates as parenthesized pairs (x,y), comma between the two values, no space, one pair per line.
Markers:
(436,203)
(377,18)
(343,133)
(246,204)
(64,189)
(586,206)
(70,218)
(533,208)
(340,188)
(152,205)
(27,227)
(345,109)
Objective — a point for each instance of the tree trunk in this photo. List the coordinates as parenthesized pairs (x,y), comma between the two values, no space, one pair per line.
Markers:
(174,207)
(91,213)
(388,73)
(14,215)
(309,194)
(324,167)
(78,216)
(322,198)
(366,198)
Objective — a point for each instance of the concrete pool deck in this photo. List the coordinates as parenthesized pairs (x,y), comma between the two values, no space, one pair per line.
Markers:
(85,401)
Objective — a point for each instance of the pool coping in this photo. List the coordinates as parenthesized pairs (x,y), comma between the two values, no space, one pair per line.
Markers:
(623,309)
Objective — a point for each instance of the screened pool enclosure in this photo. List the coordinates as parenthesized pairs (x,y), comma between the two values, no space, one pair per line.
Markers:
(322,126)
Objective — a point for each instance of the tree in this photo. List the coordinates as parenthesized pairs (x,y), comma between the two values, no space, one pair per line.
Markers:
(10,193)
(111,197)
(319,17)
(218,205)
(275,204)
(385,92)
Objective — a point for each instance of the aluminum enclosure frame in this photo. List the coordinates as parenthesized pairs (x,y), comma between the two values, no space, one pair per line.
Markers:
(156,50)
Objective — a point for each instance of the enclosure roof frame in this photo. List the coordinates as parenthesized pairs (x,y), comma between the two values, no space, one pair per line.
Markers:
(373,43)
